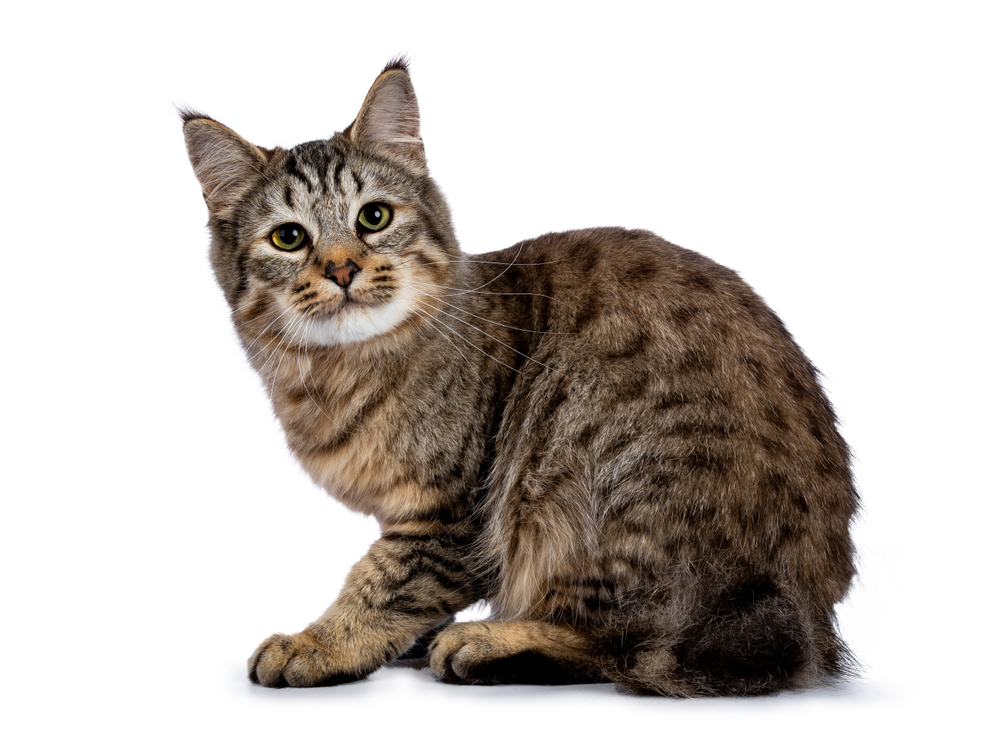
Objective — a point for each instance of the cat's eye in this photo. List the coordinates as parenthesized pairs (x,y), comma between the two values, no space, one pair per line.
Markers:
(374,216)
(289,237)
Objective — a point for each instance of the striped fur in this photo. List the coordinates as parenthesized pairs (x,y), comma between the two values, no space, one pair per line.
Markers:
(610,439)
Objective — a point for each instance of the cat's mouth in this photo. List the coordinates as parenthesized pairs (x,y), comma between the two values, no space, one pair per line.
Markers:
(348,302)
(349,319)
(337,305)
(346,307)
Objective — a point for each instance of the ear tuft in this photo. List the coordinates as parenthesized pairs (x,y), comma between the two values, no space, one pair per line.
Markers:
(389,119)
(224,163)
(397,63)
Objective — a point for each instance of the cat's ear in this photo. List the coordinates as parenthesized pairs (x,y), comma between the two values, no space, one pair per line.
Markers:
(389,119)
(224,163)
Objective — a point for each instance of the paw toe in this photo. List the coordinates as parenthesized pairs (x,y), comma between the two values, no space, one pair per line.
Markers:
(266,665)
(457,651)
(296,661)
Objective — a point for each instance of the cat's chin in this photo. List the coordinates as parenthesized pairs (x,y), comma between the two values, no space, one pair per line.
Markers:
(354,322)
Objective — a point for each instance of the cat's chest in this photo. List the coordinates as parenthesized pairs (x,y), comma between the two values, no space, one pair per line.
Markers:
(345,427)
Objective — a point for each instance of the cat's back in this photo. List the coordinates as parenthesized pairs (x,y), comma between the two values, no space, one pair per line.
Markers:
(659,392)
(638,293)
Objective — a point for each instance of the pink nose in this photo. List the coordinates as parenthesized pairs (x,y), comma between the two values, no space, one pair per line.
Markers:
(341,275)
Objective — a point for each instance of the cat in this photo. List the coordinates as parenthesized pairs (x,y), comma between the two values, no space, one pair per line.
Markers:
(609,439)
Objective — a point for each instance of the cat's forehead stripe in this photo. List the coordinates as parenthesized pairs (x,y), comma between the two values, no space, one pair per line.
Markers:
(358,185)
(292,168)
(322,169)
(341,160)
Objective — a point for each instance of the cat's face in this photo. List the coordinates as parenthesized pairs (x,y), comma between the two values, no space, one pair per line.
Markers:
(340,245)
(332,242)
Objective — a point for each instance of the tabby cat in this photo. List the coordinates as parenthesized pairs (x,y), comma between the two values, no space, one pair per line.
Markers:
(610,439)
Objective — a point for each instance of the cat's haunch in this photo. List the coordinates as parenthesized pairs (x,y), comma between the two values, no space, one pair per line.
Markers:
(610,439)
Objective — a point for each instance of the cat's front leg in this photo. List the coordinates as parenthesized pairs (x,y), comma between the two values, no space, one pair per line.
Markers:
(402,588)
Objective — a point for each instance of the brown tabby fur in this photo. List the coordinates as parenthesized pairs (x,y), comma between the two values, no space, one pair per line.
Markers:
(610,439)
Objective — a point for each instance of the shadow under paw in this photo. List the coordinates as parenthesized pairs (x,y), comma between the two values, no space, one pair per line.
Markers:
(524,668)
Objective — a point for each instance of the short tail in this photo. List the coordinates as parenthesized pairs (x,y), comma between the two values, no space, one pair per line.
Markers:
(753,640)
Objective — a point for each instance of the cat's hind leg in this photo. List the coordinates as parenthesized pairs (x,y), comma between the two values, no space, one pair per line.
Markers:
(519,652)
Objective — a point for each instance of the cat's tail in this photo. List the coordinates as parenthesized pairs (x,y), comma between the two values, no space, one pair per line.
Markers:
(753,640)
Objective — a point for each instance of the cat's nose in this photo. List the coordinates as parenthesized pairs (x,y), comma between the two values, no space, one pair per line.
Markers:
(341,275)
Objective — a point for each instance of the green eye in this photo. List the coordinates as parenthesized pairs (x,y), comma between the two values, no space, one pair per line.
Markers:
(289,237)
(374,216)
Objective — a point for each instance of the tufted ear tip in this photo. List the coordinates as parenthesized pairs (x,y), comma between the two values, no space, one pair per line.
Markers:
(400,62)
(389,119)
(187,115)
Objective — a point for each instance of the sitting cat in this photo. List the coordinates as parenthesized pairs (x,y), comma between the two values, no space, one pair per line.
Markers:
(610,439)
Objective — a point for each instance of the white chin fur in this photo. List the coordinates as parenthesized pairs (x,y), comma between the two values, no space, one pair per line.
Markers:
(356,323)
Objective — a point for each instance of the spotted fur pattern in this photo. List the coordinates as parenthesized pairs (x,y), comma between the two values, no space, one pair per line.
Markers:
(610,439)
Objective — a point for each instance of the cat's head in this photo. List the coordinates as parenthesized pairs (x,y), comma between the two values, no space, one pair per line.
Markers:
(330,242)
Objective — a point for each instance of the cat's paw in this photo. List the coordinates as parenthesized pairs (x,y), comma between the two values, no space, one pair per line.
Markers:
(459,651)
(503,653)
(297,661)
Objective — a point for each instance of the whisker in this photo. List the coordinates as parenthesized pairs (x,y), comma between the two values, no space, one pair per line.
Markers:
(474,327)
(481,351)
(480,330)
(469,260)
(302,378)
(290,337)
(255,301)
(265,330)
(286,332)
(420,302)
(264,348)
(315,386)
(430,321)
(487,320)
(469,291)
(509,265)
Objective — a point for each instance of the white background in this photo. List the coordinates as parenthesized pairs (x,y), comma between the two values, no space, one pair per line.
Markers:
(843,157)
